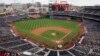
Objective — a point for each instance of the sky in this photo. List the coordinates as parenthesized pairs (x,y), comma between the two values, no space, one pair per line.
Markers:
(74,2)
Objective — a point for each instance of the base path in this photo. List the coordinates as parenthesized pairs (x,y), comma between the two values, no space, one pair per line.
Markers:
(40,30)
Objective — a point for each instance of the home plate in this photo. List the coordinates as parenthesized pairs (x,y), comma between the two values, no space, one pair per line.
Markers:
(60,46)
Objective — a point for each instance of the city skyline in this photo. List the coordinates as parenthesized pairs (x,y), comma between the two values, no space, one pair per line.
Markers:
(74,2)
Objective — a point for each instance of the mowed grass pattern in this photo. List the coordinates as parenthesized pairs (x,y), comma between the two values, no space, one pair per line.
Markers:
(58,34)
(26,27)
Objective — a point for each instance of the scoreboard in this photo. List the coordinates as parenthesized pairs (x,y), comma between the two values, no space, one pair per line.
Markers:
(58,7)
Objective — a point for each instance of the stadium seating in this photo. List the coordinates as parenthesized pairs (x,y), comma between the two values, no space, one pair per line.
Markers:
(34,50)
(53,53)
(64,53)
(82,48)
(93,35)
(2,22)
(11,18)
(9,42)
(45,50)
(77,53)
(41,53)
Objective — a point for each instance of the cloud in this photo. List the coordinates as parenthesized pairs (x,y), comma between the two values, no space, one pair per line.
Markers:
(84,2)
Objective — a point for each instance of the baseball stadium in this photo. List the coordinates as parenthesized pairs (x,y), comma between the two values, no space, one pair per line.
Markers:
(56,29)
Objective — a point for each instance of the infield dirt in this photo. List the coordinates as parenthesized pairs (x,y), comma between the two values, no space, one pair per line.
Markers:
(40,30)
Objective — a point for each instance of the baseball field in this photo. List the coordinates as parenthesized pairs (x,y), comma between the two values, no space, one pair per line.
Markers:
(54,33)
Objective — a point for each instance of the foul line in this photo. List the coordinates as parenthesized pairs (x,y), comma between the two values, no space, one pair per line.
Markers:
(65,35)
(45,37)
(59,39)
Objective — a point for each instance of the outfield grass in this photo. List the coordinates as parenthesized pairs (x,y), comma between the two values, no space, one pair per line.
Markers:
(27,26)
